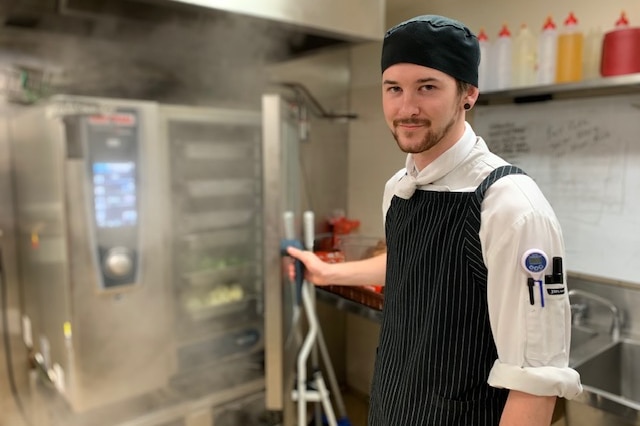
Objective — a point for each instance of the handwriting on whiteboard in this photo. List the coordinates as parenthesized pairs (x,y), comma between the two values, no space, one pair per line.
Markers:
(578,163)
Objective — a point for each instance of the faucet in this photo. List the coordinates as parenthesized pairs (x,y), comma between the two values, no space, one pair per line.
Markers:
(578,313)
(579,310)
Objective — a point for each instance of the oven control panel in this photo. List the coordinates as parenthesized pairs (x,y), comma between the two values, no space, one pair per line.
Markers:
(113,158)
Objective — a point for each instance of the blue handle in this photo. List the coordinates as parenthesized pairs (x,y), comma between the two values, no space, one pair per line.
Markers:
(298,265)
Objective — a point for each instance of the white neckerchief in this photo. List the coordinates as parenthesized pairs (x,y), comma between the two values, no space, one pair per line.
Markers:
(442,165)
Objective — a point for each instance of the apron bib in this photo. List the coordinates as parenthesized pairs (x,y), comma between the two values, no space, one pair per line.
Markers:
(436,347)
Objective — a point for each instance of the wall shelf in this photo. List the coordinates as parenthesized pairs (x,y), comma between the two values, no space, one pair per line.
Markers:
(604,86)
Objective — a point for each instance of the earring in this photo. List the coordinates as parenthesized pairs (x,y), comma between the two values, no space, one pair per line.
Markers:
(467,107)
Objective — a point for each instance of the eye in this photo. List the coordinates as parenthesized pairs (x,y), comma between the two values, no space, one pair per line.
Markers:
(427,87)
(394,89)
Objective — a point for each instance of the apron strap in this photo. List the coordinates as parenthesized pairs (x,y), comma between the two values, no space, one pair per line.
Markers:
(498,173)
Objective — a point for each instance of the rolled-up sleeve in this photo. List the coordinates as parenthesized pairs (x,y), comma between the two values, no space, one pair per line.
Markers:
(532,339)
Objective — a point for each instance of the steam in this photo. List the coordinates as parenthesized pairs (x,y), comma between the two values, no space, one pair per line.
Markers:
(197,61)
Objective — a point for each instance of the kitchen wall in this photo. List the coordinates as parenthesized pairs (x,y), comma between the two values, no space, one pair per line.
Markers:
(373,154)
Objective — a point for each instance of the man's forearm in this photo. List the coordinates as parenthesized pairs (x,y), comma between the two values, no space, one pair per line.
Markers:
(524,409)
(360,272)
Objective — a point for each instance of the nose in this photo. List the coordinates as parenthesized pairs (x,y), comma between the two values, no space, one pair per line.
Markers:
(409,105)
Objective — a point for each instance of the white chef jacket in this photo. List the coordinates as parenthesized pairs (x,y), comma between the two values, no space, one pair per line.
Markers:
(532,341)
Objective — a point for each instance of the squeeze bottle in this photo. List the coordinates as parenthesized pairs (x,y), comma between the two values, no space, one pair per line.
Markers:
(524,58)
(570,52)
(592,54)
(484,75)
(622,21)
(547,51)
(501,57)
(621,49)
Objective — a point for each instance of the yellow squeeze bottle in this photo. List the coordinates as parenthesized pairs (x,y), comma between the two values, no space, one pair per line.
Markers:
(570,52)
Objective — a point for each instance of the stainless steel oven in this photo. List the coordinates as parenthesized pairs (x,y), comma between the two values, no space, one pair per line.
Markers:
(88,189)
(140,247)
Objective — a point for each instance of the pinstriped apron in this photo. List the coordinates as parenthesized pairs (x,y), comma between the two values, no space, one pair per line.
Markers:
(436,347)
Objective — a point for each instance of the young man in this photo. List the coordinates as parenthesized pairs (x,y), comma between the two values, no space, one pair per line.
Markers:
(466,338)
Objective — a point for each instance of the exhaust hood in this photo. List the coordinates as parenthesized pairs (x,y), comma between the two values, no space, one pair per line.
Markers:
(358,20)
(174,50)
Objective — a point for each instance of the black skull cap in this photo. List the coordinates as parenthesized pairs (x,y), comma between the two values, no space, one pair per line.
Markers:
(436,42)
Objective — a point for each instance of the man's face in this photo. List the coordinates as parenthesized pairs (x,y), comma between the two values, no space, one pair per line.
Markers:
(421,106)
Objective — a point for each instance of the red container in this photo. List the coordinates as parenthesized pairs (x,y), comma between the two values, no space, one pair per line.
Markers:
(620,52)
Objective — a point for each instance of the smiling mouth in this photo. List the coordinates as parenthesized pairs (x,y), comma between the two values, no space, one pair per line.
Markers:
(410,128)
(411,123)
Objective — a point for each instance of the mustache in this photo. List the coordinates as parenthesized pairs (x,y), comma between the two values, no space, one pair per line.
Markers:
(411,121)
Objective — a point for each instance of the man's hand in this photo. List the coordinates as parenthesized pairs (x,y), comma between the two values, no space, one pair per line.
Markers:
(358,272)
(316,270)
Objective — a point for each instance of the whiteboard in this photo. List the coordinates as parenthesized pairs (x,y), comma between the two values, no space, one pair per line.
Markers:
(585,156)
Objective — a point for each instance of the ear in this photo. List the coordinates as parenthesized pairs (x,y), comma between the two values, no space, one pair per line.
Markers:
(472,95)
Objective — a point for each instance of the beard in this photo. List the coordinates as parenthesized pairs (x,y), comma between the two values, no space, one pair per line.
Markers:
(431,138)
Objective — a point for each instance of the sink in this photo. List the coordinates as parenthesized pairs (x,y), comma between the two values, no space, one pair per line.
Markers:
(580,336)
(615,370)
(586,343)
(611,380)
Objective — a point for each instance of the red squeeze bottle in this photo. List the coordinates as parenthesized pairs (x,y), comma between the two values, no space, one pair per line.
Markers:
(621,49)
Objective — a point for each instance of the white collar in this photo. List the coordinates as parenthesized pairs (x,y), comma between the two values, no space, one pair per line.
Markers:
(439,168)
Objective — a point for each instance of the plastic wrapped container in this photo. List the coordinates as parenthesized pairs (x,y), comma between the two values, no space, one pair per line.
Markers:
(357,247)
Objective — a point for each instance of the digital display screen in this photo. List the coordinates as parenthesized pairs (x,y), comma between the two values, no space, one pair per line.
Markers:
(114,194)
